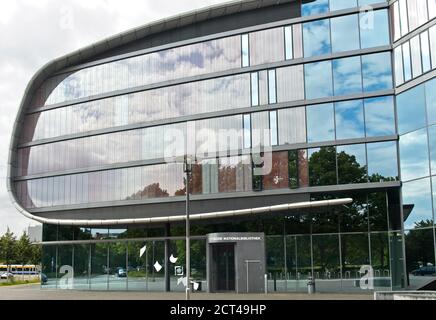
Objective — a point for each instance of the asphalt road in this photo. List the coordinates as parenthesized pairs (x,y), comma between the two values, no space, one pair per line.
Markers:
(34,292)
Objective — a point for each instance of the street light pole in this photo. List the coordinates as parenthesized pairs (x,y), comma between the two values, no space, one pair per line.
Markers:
(188,171)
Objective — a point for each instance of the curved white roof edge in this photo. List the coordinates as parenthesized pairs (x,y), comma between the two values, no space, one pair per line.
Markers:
(194,217)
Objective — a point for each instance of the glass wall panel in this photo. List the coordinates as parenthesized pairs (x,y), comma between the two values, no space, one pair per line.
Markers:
(411,110)
(355,254)
(275,264)
(156,281)
(347,76)
(322,166)
(82,266)
(342,4)
(326,263)
(65,268)
(417,200)
(245,51)
(320,123)
(396,19)
(431,9)
(48,265)
(316,38)
(235,174)
(407,63)
(377,72)
(261,134)
(432,144)
(380,261)
(309,8)
(403,17)
(139,267)
(414,155)
(289,43)
(273,126)
(255,89)
(399,70)
(290,83)
(352,166)
(292,126)
(415,47)
(425,51)
(432,35)
(278,176)
(272,87)
(267,46)
(374,31)
(350,122)
(378,212)
(118,266)
(420,257)
(430,94)
(345,33)
(247,131)
(382,161)
(379,116)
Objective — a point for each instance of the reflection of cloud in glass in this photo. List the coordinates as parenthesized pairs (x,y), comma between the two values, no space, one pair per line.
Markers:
(316,37)
(320,123)
(314,7)
(345,33)
(318,79)
(347,76)
(382,160)
(418,193)
(377,72)
(379,116)
(349,119)
(414,155)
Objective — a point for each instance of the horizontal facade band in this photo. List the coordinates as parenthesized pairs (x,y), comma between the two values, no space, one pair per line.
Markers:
(218,114)
(256,28)
(143,163)
(226,196)
(209,76)
(198,217)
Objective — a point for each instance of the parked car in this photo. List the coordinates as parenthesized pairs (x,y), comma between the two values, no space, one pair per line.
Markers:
(424,271)
(6,275)
(121,273)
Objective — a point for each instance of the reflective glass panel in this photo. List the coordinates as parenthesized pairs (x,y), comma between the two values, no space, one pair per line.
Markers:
(247,131)
(432,143)
(273,128)
(377,72)
(349,120)
(382,161)
(345,33)
(322,166)
(347,76)
(245,51)
(425,51)
(407,63)
(417,201)
(342,4)
(430,94)
(272,88)
(319,80)
(374,29)
(255,89)
(379,116)
(309,8)
(320,123)
(316,38)
(414,155)
(411,110)
(289,46)
(352,164)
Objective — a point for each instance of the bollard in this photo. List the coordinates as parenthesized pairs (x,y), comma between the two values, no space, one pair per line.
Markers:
(311,288)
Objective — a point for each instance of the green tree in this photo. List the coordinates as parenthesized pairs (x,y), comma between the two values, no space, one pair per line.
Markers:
(8,248)
(23,250)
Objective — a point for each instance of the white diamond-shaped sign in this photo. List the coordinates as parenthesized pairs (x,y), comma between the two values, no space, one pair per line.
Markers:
(157,266)
(142,251)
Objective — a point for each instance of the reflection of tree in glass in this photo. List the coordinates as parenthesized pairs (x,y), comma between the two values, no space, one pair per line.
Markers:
(420,246)
(152,191)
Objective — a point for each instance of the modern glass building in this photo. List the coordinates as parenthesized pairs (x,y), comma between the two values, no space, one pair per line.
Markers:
(280,102)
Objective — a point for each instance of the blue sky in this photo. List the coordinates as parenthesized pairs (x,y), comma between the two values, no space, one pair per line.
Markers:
(34,32)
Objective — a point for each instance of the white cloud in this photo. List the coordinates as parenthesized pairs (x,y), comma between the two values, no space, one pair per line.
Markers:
(34,32)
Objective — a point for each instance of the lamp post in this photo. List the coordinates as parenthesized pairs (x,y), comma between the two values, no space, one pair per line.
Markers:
(188,172)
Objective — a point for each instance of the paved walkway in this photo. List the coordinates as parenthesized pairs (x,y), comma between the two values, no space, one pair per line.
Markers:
(33,292)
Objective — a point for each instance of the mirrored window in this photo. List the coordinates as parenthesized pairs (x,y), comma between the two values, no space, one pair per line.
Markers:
(245,51)
(345,33)
(425,50)
(278,176)
(255,89)
(320,123)
(407,63)
(316,38)
(417,202)
(414,155)
(379,116)
(432,143)
(399,71)
(430,94)
(377,72)
(349,120)
(352,164)
(411,110)
(342,4)
(292,125)
(247,131)
(415,47)
(374,31)
(313,7)
(322,166)
(347,76)
(382,161)
(272,86)
(273,128)
(289,44)
(318,79)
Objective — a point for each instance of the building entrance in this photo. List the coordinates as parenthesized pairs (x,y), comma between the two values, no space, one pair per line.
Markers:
(223,267)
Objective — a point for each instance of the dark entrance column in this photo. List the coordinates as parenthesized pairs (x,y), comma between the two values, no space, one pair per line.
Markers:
(223,267)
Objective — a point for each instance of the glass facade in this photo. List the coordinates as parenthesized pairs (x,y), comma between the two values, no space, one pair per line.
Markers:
(327,100)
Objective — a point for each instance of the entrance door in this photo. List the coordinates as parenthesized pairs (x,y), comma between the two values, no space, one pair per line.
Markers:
(223,267)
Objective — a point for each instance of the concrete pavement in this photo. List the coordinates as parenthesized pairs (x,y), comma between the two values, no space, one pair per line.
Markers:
(34,292)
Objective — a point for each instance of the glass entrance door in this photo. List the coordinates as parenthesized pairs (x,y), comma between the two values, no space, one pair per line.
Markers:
(223,267)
